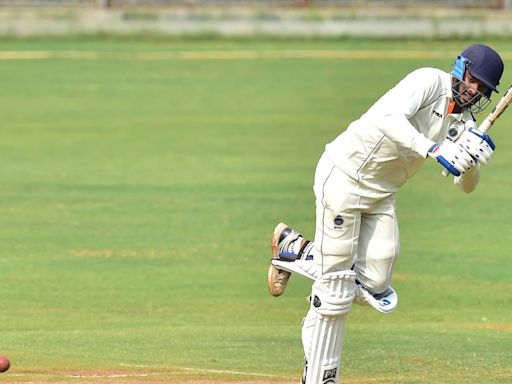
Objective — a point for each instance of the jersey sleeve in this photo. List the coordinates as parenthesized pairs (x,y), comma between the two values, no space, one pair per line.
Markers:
(391,112)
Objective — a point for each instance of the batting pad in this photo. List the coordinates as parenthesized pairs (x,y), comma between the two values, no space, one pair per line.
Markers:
(385,302)
(306,268)
(331,300)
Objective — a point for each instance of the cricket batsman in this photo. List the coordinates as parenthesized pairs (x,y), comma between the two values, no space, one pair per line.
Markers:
(427,115)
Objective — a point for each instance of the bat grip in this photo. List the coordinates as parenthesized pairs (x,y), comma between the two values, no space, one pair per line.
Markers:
(484,127)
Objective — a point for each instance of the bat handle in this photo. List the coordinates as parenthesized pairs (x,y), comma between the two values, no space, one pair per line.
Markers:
(485,125)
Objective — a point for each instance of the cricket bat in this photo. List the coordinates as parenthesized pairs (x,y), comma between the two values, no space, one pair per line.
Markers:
(489,121)
(504,102)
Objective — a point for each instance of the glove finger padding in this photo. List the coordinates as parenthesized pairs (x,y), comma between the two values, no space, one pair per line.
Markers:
(453,157)
(478,144)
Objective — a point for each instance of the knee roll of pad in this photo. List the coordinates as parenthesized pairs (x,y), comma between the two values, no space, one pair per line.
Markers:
(334,293)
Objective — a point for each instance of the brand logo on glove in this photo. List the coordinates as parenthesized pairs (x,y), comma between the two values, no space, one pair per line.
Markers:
(338,222)
(453,132)
(316,302)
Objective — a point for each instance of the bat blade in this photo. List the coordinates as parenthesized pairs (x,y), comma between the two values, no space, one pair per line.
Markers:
(504,102)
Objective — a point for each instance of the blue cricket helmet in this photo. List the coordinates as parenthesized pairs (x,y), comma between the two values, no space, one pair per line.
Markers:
(484,63)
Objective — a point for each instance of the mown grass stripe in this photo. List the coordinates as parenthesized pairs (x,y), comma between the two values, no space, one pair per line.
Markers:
(224,55)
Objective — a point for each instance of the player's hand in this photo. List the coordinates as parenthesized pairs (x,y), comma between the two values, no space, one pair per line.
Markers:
(453,157)
(478,144)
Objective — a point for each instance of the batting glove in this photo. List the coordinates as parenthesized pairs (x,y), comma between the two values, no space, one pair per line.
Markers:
(478,144)
(453,157)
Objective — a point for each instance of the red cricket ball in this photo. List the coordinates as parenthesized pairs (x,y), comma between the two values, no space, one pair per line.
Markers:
(4,363)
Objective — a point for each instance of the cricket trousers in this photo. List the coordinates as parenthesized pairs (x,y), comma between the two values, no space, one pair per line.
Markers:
(356,227)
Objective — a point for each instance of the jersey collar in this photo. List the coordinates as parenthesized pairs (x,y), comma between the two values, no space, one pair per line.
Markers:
(450,101)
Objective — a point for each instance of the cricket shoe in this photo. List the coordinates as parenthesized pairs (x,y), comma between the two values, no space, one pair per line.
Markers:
(287,245)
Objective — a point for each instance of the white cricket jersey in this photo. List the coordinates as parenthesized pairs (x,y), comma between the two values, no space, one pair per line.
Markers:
(389,143)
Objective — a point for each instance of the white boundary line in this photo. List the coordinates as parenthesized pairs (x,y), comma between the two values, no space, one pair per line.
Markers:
(114,376)
(204,370)
(186,369)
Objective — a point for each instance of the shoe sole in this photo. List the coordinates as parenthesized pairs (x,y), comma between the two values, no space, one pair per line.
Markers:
(274,243)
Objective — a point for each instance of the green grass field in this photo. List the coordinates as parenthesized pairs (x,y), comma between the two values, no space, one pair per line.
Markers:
(141,180)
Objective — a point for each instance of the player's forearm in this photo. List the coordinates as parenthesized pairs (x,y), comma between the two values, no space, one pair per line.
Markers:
(400,131)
